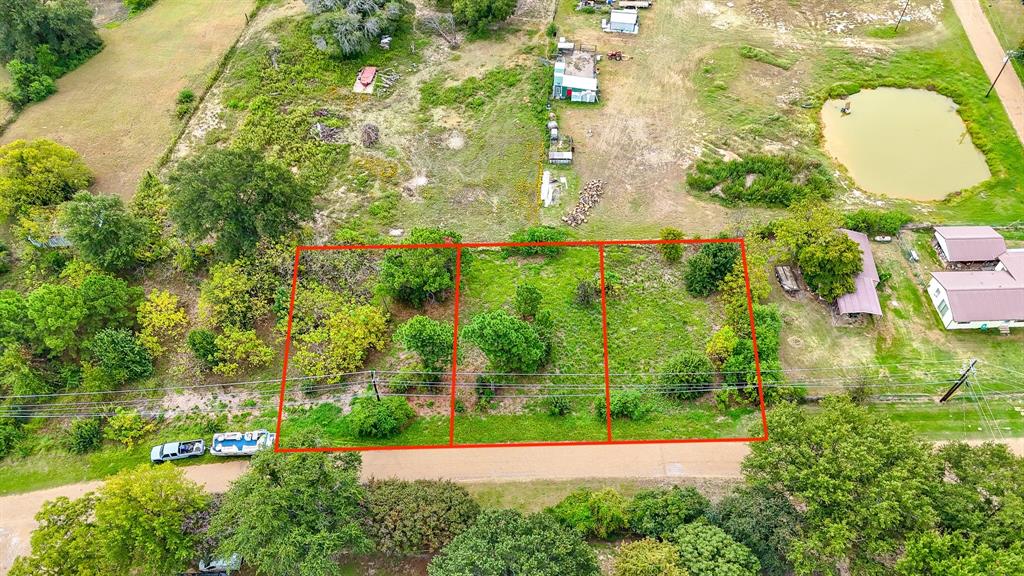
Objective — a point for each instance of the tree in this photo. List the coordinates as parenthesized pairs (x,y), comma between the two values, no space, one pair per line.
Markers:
(230,296)
(64,541)
(292,513)
(415,275)
(705,550)
(237,197)
(350,27)
(127,427)
(121,355)
(140,514)
(17,374)
(937,554)
(203,344)
(687,375)
(384,418)
(503,542)
(240,349)
(28,84)
(706,269)
(418,517)
(762,520)
(510,344)
(672,253)
(104,233)
(432,340)
(39,173)
(861,481)
(830,264)
(332,333)
(14,322)
(84,435)
(658,512)
(721,345)
(647,557)
(108,302)
(477,14)
(56,35)
(527,301)
(55,311)
(162,320)
(594,514)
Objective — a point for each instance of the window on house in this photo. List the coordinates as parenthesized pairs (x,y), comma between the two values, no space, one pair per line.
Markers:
(943,308)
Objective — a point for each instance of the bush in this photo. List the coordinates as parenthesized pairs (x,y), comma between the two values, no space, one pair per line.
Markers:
(527,301)
(39,173)
(418,275)
(241,350)
(112,246)
(136,6)
(536,234)
(558,406)
(671,252)
(372,418)
(551,30)
(163,321)
(594,514)
(347,28)
(186,96)
(510,344)
(705,550)
(657,513)
(721,345)
(477,14)
(203,344)
(588,292)
(418,517)
(647,557)
(84,435)
(121,355)
(765,57)
(506,542)
(10,434)
(706,270)
(778,181)
(876,222)
(764,521)
(632,404)
(127,427)
(430,339)
(687,375)
(28,84)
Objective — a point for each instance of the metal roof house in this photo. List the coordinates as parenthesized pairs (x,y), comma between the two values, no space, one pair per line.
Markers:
(576,75)
(981,299)
(864,298)
(969,243)
(625,21)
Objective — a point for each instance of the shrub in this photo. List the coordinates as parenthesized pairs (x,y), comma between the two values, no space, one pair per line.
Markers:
(39,173)
(536,234)
(588,292)
(136,6)
(231,296)
(551,30)
(595,514)
(418,517)
(657,513)
(103,232)
(28,84)
(527,301)
(632,404)
(121,355)
(671,252)
(430,339)
(721,345)
(477,14)
(186,96)
(705,550)
(240,349)
(777,180)
(762,520)
(686,376)
(84,435)
(706,270)
(348,28)
(506,542)
(127,427)
(418,275)
(647,557)
(203,344)
(10,434)
(372,418)
(163,321)
(876,222)
(558,406)
(765,57)
(510,344)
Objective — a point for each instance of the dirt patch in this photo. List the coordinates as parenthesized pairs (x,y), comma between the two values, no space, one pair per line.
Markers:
(107,11)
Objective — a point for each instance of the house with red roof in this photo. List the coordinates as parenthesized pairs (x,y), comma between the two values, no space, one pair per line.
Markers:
(982,299)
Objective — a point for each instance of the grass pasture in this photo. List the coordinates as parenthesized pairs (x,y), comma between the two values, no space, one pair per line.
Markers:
(117,109)
(1007,18)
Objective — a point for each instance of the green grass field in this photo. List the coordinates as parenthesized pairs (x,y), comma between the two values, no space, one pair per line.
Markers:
(1007,18)
(117,109)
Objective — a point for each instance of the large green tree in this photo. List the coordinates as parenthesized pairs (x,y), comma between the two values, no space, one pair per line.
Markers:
(504,542)
(56,35)
(418,517)
(478,14)
(416,275)
(658,512)
(762,520)
(350,27)
(238,198)
(862,482)
(510,344)
(104,233)
(292,513)
(829,259)
(958,554)
(430,339)
(64,542)
(39,173)
(56,311)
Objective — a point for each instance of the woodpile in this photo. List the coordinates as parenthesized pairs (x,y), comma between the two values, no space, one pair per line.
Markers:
(589,197)
(326,133)
(369,135)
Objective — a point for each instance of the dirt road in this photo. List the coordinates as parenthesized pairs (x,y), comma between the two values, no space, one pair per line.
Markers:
(991,54)
(656,461)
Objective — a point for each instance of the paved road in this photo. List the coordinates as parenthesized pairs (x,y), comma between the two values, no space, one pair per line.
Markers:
(991,54)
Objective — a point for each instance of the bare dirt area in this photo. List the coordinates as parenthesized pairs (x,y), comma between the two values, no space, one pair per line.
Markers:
(107,11)
(117,109)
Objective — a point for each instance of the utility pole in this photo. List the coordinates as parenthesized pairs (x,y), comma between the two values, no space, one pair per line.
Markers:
(373,380)
(960,382)
(1012,54)
(902,14)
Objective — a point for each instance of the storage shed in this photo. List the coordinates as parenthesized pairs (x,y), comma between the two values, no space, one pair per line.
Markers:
(576,76)
(864,298)
(969,243)
(622,21)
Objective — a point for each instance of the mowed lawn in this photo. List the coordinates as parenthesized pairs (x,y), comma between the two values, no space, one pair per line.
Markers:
(117,109)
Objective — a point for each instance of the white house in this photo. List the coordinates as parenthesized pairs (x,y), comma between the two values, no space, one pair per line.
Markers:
(982,299)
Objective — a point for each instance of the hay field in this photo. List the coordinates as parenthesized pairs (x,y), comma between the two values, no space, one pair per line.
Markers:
(117,109)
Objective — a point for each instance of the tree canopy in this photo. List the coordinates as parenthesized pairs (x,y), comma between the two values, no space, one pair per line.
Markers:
(102,230)
(415,275)
(39,173)
(238,198)
(828,258)
(55,35)
(510,344)
(350,27)
(431,339)
(478,14)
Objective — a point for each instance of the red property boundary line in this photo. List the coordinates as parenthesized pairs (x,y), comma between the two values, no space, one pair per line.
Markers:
(458,247)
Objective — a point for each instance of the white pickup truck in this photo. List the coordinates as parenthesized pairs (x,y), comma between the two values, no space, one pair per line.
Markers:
(177,451)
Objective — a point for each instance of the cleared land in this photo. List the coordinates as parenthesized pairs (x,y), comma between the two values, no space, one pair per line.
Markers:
(117,109)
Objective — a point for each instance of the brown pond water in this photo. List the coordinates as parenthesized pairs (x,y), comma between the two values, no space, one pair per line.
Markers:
(903,143)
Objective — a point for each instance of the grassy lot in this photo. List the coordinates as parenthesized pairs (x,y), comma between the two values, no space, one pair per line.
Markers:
(1007,18)
(117,109)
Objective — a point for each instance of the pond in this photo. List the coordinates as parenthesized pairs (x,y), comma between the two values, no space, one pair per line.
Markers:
(903,143)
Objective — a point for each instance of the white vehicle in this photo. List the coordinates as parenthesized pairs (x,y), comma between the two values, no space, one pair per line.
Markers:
(177,451)
(241,443)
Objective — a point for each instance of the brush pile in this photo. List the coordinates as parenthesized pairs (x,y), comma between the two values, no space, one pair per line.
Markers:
(589,197)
